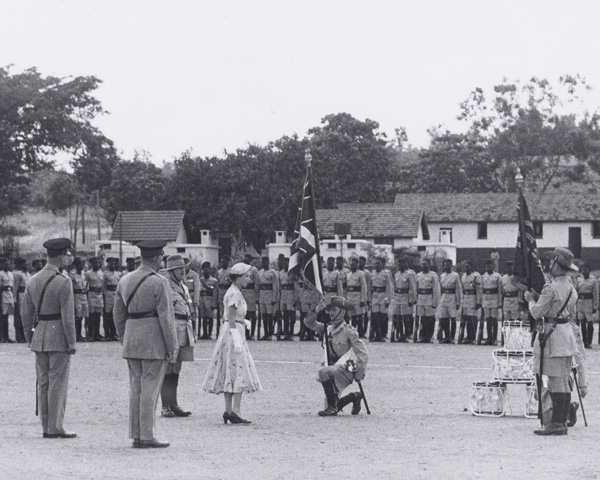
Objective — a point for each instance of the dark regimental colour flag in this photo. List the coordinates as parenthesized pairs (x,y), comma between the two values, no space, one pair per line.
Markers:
(305,260)
(527,265)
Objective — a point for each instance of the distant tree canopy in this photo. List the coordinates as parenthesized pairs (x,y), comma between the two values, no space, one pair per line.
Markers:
(42,118)
(541,127)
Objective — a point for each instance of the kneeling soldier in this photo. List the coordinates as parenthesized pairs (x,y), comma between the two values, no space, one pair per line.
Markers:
(344,345)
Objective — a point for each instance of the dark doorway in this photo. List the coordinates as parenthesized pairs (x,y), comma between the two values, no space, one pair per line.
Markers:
(575,241)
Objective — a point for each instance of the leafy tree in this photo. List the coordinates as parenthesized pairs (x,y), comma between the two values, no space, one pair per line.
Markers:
(136,185)
(40,117)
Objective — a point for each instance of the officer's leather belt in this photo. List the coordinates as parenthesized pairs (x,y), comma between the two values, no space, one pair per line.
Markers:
(330,289)
(288,286)
(511,294)
(469,292)
(21,289)
(138,315)
(425,291)
(401,290)
(379,289)
(449,290)
(48,317)
(79,290)
(266,286)
(249,286)
(111,288)
(95,289)
(558,320)
(180,316)
(490,291)
(206,293)
(353,288)
(7,288)
(586,296)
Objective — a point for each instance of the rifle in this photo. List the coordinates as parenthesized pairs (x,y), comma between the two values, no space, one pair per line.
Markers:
(579,395)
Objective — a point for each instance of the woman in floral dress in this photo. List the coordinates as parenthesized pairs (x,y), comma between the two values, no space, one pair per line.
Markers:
(231,370)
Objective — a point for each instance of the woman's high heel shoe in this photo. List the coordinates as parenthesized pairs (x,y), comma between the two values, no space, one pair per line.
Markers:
(235,418)
(226,417)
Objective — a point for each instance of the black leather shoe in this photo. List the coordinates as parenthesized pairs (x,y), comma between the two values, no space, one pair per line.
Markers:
(552,429)
(235,418)
(328,412)
(176,409)
(154,443)
(356,403)
(60,435)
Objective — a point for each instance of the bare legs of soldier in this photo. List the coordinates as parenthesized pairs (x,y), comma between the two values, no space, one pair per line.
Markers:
(383,325)
(408,325)
(452,329)
(110,331)
(303,330)
(471,324)
(289,319)
(278,322)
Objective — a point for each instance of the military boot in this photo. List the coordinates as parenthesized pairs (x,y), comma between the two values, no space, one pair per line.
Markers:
(332,400)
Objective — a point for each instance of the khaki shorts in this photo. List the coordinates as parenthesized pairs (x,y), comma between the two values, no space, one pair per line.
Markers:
(446,311)
(490,313)
(401,309)
(425,311)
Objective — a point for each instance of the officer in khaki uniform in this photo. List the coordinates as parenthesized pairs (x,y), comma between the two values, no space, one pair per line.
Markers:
(344,345)
(472,295)
(287,300)
(405,295)
(145,322)
(207,301)
(111,279)
(428,297)
(49,322)
(175,272)
(491,283)
(381,294)
(357,294)
(82,310)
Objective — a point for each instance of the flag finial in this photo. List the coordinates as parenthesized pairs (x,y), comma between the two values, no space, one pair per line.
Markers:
(519,178)
(308,157)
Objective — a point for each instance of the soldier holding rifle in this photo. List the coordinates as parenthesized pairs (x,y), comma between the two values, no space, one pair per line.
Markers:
(555,344)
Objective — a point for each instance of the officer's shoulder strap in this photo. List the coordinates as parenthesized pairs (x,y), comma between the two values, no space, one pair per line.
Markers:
(144,278)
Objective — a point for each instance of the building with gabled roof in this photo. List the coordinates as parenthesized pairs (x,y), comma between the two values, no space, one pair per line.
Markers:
(478,222)
(132,227)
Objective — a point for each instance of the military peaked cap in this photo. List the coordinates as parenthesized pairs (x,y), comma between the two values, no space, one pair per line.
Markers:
(57,245)
(151,246)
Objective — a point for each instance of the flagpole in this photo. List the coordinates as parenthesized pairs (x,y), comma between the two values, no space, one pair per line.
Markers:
(309,176)
(519,181)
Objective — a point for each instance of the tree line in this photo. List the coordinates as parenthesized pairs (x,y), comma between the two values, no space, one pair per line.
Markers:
(542,127)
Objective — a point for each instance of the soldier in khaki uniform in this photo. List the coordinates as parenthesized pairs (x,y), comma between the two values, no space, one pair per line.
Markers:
(287,300)
(268,296)
(491,283)
(111,279)
(192,282)
(146,327)
(224,284)
(7,285)
(332,281)
(250,293)
(450,302)
(405,295)
(344,345)
(428,297)
(49,323)
(357,293)
(175,272)
(81,302)
(207,300)
(95,281)
(343,273)
(510,296)
(362,266)
(381,295)
(472,294)
(557,304)
(587,305)
(21,277)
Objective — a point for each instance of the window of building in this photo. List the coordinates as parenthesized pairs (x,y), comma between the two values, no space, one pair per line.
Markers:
(332,246)
(421,248)
(106,246)
(352,245)
(445,235)
(596,229)
(383,241)
(482,230)
(180,249)
(538,229)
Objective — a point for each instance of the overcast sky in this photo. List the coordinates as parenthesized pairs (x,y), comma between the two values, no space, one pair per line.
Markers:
(216,75)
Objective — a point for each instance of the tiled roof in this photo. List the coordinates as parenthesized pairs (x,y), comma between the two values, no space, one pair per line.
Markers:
(148,225)
(371,220)
(502,207)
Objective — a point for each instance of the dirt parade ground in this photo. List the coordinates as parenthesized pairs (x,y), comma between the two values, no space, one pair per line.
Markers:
(419,427)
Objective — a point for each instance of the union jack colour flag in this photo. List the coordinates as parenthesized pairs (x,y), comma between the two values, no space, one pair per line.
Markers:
(527,265)
(305,258)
